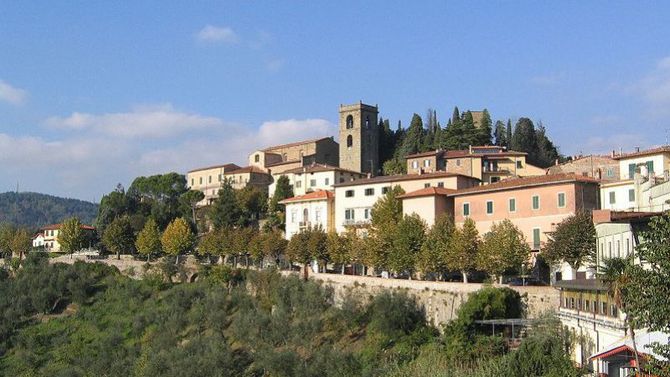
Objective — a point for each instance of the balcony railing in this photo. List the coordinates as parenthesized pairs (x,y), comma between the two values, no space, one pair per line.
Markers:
(305,224)
(590,317)
(352,222)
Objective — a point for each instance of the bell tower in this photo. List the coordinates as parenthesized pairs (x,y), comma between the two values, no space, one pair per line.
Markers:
(359,138)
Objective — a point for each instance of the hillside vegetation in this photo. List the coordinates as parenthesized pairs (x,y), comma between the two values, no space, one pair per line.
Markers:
(32,210)
(89,320)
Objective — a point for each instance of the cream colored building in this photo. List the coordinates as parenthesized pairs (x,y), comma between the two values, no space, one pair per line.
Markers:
(47,237)
(428,203)
(209,180)
(280,158)
(354,200)
(655,162)
(315,209)
(314,177)
(489,164)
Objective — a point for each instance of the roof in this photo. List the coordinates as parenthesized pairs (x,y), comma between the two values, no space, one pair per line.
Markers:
(247,169)
(523,182)
(644,342)
(457,153)
(310,196)
(581,284)
(318,168)
(226,167)
(57,226)
(285,162)
(294,144)
(609,216)
(428,191)
(402,177)
(663,149)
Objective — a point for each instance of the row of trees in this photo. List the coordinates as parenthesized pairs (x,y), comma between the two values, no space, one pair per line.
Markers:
(459,133)
(14,240)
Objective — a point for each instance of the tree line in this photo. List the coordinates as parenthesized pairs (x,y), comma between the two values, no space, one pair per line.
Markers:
(459,133)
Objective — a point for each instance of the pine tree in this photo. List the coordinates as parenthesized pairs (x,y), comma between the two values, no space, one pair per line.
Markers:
(225,211)
(470,132)
(484,129)
(547,153)
(524,139)
(413,139)
(455,116)
(500,134)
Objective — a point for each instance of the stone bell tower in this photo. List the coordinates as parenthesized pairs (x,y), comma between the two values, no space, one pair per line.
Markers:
(359,138)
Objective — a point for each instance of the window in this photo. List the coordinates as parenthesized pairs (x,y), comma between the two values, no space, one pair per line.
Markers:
(536,202)
(650,167)
(298,184)
(349,193)
(603,308)
(327,181)
(349,214)
(220,177)
(426,163)
(610,172)
(350,122)
(612,197)
(305,215)
(512,204)
(631,171)
(312,182)
(385,190)
(458,162)
(536,239)
(369,191)
(415,164)
(519,165)
(609,247)
(466,209)
(613,311)
(561,200)
(587,305)
(440,184)
(200,180)
(489,207)
(618,248)
(209,179)
(367,121)
(350,141)
(294,215)
(572,302)
(317,216)
(192,181)
(426,185)
(627,247)
(257,158)
(366,214)
(631,195)
(495,179)
(341,179)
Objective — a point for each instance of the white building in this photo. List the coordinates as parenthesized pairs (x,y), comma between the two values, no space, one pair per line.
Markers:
(311,210)
(656,161)
(314,177)
(355,199)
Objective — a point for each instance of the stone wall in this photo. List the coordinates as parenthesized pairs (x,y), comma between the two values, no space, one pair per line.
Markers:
(440,300)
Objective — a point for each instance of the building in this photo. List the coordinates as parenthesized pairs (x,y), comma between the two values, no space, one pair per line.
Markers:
(359,140)
(651,162)
(208,180)
(428,203)
(355,199)
(604,168)
(534,204)
(279,158)
(315,177)
(489,164)
(47,237)
(315,209)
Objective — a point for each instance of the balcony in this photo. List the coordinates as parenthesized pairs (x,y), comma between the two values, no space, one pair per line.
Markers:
(356,223)
(590,317)
(494,169)
(304,224)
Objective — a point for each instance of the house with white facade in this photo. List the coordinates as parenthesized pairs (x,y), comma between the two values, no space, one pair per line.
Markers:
(315,209)
(314,177)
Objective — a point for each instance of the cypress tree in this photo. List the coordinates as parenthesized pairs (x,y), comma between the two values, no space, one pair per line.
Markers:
(525,140)
(500,134)
(412,142)
(484,129)
(508,134)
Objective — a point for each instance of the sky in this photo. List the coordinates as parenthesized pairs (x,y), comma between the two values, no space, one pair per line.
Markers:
(96,93)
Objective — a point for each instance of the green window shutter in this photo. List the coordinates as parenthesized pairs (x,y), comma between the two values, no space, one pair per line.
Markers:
(536,202)
(489,207)
(631,195)
(512,205)
(536,238)
(466,209)
(631,171)
(650,166)
(561,200)
(612,197)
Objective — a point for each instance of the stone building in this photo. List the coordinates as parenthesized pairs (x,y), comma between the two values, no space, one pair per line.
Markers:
(359,140)
(279,158)
(604,168)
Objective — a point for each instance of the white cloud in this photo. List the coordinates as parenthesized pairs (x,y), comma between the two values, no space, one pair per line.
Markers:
(654,89)
(147,122)
(217,34)
(286,131)
(12,95)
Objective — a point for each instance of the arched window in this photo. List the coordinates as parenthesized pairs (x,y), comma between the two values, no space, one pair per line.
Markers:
(367,121)
(305,216)
(350,122)
(350,141)
(257,158)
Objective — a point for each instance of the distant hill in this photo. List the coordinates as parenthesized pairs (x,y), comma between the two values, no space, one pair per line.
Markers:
(34,210)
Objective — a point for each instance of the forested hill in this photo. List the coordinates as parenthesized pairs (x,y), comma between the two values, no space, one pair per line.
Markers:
(34,210)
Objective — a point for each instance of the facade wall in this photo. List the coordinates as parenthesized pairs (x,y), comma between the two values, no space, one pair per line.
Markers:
(429,208)
(464,165)
(208,181)
(426,164)
(661,163)
(598,167)
(527,219)
(320,213)
(620,192)
(327,152)
(324,180)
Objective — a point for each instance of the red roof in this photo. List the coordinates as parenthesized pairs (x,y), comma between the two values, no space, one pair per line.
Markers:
(314,195)
(226,167)
(402,177)
(523,182)
(466,153)
(664,149)
(319,168)
(428,191)
(310,141)
(57,226)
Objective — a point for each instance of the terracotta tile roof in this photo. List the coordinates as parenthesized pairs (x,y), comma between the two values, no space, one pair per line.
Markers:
(295,144)
(663,149)
(226,167)
(402,177)
(247,169)
(57,226)
(428,191)
(314,195)
(539,180)
(318,168)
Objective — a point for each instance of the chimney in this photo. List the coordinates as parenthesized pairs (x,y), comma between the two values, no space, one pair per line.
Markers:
(612,153)
(470,149)
(369,175)
(637,149)
(556,162)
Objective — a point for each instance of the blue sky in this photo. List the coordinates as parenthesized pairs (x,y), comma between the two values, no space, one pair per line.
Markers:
(96,93)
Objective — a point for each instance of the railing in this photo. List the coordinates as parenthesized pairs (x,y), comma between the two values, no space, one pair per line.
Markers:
(304,224)
(590,317)
(352,222)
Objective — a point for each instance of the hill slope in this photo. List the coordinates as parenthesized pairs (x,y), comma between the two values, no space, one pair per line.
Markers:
(34,210)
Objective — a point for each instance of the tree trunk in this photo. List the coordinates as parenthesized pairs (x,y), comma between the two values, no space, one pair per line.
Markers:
(632,337)
(118,255)
(305,271)
(221,259)
(148,256)
(500,278)
(176,260)
(342,268)
(465,276)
